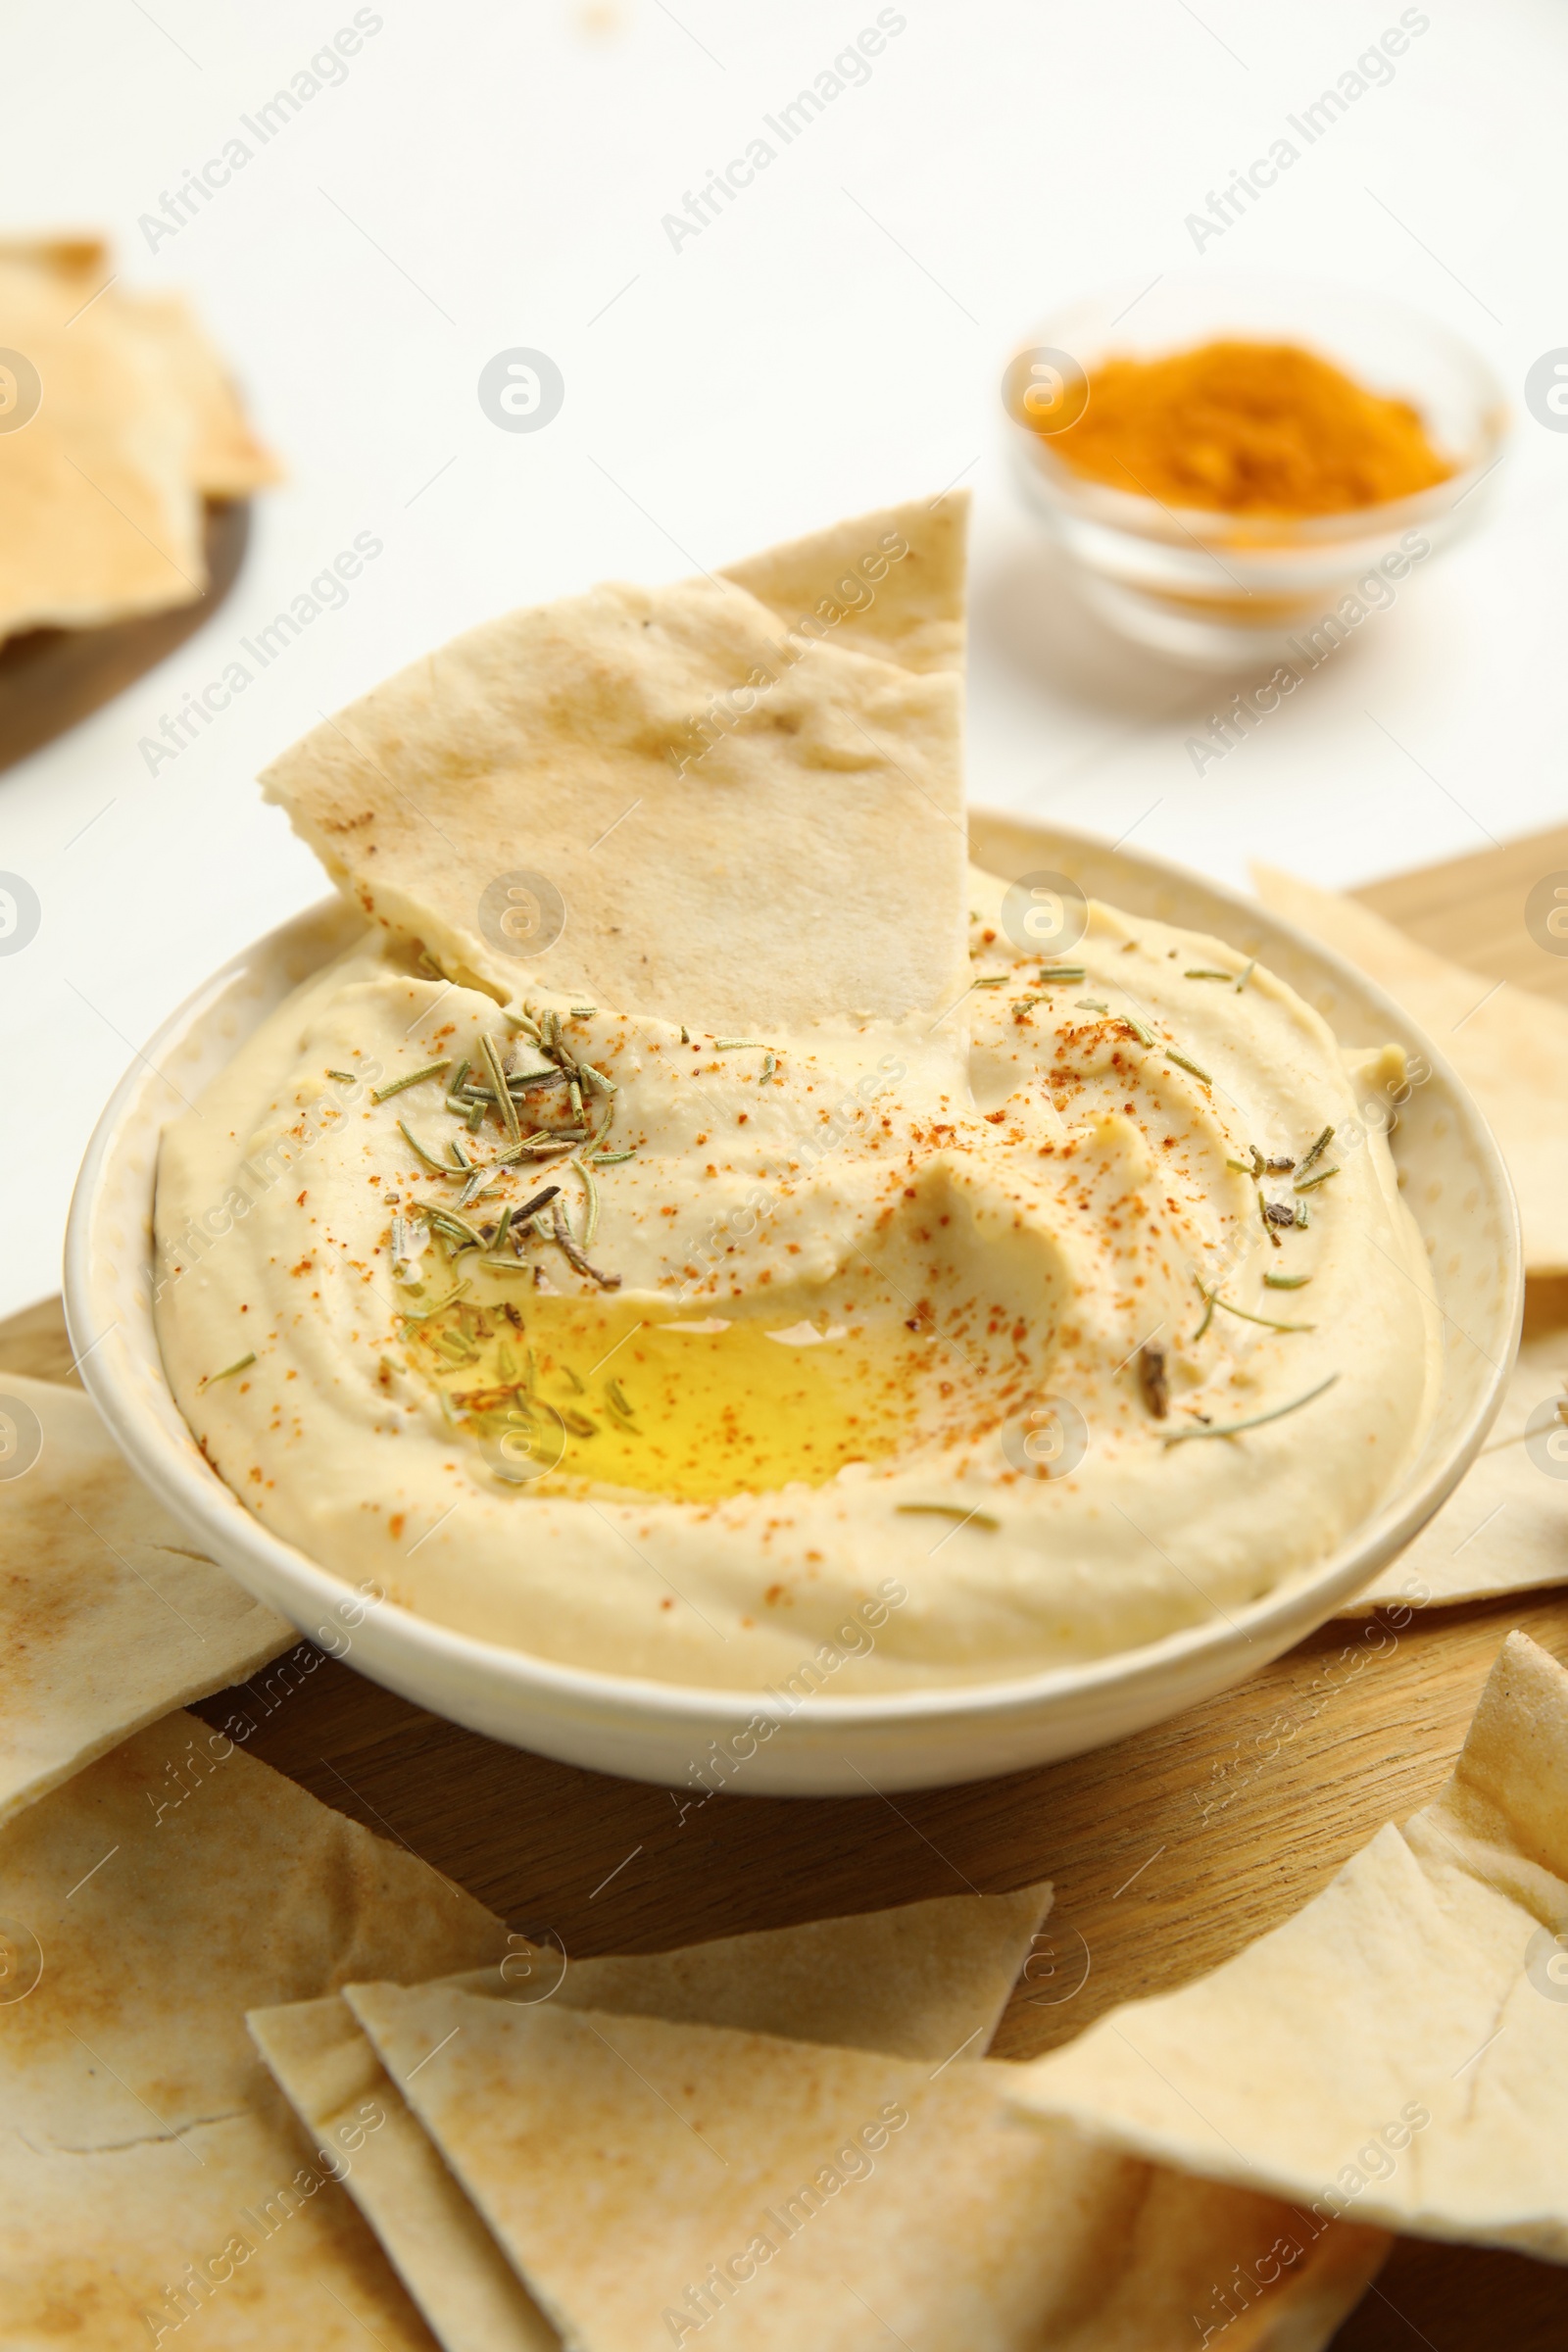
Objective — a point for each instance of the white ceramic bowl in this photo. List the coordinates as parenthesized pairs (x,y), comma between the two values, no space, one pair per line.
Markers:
(1454,1182)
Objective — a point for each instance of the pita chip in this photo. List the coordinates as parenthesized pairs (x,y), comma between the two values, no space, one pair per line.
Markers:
(891,583)
(922,1980)
(926,1979)
(148,2167)
(1508,1044)
(137,425)
(102,521)
(326,2065)
(1504,1529)
(107,1618)
(1399,2051)
(659,800)
(655,2181)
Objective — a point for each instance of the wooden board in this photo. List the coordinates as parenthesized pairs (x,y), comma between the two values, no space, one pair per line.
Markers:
(50,679)
(1169,1851)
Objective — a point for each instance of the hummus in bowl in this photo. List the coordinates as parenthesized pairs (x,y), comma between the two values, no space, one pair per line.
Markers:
(1015,1346)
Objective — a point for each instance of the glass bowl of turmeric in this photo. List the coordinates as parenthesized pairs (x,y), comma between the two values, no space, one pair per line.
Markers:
(1234,465)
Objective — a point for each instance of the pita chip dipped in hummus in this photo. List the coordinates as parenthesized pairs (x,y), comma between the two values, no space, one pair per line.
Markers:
(699,1225)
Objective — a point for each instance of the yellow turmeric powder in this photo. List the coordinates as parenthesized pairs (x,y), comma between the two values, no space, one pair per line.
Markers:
(1248,428)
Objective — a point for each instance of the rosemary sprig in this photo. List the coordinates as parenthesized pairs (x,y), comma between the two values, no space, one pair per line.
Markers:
(1144,1037)
(1184,1064)
(431,1069)
(583,1012)
(596,1079)
(991,980)
(418,1148)
(572,1253)
(1317,1151)
(947,1510)
(755,1045)
(769,1065)
(1215,1299)
(242,1364)
(503,1228)
(422,1314)
(531,1209)
(1090,1005)
(1246,976)
(447,1220)
(498,1079)
(1286,1281)
(347,1078)
(479,1182)
(613,1159)
(591,1190)
(1062,972)
(1202,973)
(1233,1428)
(1312,1182)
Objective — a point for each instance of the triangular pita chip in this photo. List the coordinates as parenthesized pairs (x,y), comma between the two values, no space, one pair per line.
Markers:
(1399,2051)
(922,1980)
(1508,1044)
(661,2183)
(107,1618)
(1504,1529)
(928,1979)
(146,1903)
(853,581)
(660,801)
(137,422)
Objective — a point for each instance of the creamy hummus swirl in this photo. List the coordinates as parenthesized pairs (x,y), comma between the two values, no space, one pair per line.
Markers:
(911,1344)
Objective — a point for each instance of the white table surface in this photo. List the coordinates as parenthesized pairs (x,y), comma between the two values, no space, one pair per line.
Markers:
(489,176)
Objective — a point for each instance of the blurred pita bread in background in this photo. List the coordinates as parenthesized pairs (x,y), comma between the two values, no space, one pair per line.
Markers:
(128,423)
(1508,1044)
(107,1618)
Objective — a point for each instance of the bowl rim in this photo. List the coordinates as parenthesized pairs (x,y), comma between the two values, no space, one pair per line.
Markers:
(1148,518)
(196,1495)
